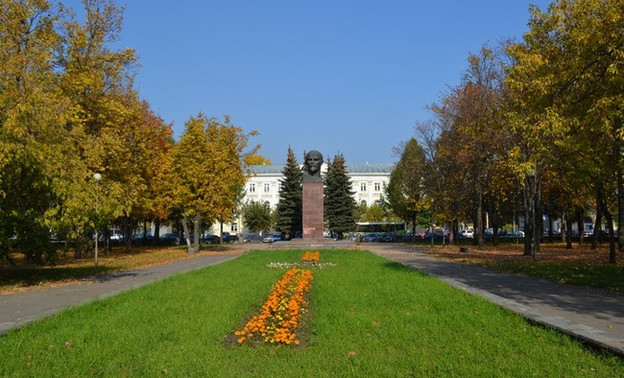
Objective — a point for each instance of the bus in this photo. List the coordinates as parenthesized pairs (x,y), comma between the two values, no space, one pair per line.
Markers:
(381,227)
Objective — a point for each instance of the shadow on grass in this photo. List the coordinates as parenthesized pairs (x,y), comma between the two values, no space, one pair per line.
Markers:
(35,276)
(401,268)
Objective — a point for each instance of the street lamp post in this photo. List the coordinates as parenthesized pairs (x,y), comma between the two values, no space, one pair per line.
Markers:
(97,177)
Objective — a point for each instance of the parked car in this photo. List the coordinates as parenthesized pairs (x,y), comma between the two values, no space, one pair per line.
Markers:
(209,239)
(169,239)
(436,235)
(140,239)
(468,234)
(388,238)
(272,238)
(226,237)
(249,238)
(372,237)
(206,239)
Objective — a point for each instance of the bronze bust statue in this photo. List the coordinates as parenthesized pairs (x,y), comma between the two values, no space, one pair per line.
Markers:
(313,161)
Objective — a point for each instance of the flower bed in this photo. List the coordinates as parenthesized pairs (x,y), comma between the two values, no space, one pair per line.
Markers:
(312,257)
(308,259)
(279,316)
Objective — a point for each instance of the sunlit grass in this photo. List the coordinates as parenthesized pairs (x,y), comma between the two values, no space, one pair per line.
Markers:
(367,317)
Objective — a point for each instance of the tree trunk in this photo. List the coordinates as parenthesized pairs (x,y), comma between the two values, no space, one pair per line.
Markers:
(144,231)
(602,207)
(612,254)
(528,215)
(197,231)
(580,219)
(221,232)
(480,228)
(495,226)
(568,231)
(187,237)
(598,223)
(454,232)
(538,220)
(620,202)
(157,230)
(127,231)
(107,243)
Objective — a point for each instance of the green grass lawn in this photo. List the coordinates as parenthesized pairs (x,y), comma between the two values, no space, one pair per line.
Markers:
(367,316)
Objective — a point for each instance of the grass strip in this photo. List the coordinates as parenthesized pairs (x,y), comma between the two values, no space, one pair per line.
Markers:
(368,317)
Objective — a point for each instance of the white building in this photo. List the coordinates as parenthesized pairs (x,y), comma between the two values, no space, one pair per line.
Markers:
(368,182)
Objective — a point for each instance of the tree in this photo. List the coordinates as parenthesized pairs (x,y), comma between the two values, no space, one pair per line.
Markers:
(257,216)
(405,192)
(565,88)
(208,161)
(104,122)
(289,208)
(256,159)
(339,205)
(32,140)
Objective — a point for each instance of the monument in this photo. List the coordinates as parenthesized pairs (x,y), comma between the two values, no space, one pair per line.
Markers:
(313,196)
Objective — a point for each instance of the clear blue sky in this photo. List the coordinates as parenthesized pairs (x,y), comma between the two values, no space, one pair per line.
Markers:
(350,77)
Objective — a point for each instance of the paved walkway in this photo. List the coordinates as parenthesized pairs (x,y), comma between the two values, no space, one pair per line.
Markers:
(594,316)
(19,309)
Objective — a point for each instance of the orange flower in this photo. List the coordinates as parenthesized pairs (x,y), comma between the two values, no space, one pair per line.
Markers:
(311,256)
(279,316)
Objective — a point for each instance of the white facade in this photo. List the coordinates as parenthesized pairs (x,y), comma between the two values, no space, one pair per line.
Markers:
(368,182)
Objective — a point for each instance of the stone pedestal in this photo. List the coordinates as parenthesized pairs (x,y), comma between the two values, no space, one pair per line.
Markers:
(312,210)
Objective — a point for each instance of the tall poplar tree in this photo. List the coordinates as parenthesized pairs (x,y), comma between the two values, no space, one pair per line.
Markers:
(339,205)
(289,207)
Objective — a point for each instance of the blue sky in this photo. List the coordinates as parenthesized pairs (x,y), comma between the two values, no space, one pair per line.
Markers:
(350,77)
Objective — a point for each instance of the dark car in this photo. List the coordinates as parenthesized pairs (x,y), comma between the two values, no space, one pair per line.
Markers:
(169,239)
(252,238)
(209,239)
(206,239)
(388,238)
(372,237)
(229,238)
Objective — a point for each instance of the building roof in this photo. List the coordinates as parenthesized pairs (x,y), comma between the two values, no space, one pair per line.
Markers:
(274,168)
(370,168)
(351,168)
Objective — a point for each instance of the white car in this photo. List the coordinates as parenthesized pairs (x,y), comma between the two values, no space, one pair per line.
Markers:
(272,238)
(468,234)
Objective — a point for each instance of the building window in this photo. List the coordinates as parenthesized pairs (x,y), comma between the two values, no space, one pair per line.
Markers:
(234,227)
(267,187)
(362,187)
(252,187)
(377,186)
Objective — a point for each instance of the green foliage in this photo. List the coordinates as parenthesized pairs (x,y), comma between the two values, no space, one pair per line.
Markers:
(289,208)
(405,193)
(338,204)
(257,216)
